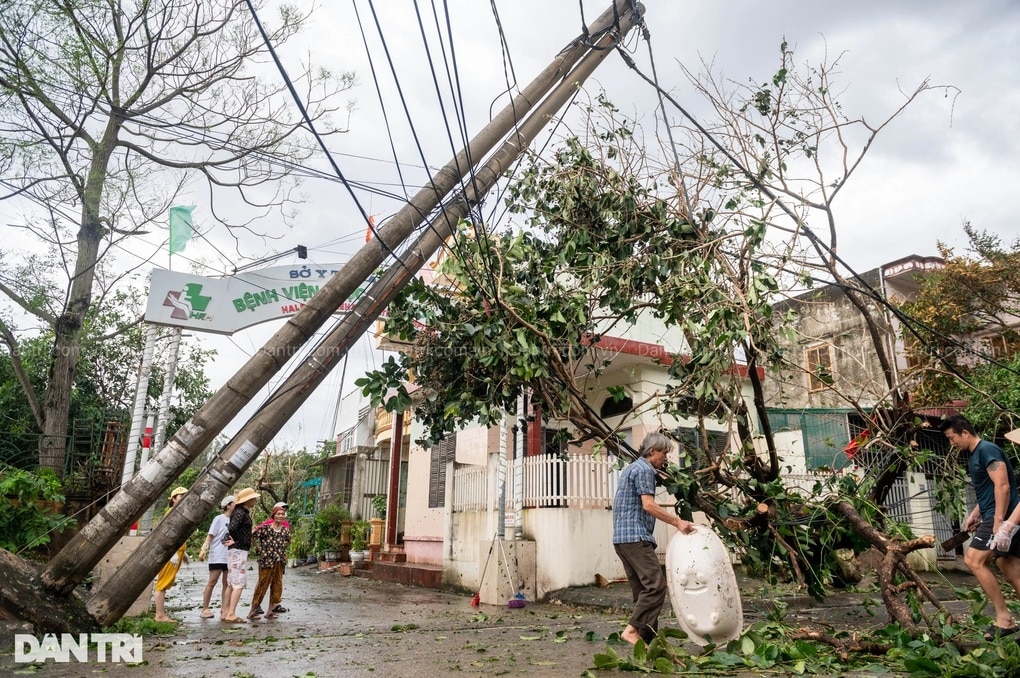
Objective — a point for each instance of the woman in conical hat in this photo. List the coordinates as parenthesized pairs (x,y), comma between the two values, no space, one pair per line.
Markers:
(168,574)
(238,545)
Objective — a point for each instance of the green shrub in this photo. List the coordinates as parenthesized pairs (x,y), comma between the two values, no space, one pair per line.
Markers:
(328,522)
(302,539)
(360,531)
(26,522)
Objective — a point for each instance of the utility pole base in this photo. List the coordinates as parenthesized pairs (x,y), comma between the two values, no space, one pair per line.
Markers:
(23,599)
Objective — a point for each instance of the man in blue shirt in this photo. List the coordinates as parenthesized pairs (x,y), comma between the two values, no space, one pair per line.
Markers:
(995,486)
(634,515)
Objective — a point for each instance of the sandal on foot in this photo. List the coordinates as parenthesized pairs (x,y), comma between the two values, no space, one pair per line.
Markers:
(280,609)
(206,614)
(234,620)
(271,615)
(993,632)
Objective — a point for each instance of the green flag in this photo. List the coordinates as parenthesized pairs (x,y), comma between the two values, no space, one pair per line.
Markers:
(180,228)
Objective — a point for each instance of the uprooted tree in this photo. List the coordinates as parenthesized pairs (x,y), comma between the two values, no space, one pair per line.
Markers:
(705,246)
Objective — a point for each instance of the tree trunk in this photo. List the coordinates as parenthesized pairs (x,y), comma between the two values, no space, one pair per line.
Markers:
(67,331)
(66,348)
(894,554)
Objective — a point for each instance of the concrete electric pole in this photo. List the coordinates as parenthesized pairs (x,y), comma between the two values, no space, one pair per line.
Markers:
(546,95)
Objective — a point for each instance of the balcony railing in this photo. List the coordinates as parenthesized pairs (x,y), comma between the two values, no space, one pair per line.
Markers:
(579,481)
(384,425)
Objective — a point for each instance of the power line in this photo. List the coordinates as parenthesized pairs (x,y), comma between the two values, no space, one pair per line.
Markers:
(311,126)
(911,324)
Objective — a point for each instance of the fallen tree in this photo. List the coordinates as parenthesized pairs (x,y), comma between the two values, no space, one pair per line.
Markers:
(608,237)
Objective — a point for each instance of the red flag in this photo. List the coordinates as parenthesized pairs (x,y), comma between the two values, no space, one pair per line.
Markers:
(371,227)
(855,445)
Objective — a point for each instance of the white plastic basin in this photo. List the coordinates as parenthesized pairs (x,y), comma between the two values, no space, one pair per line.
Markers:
(703,588)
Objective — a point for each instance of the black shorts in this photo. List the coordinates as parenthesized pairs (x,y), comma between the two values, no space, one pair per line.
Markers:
(983,535)
(214,567)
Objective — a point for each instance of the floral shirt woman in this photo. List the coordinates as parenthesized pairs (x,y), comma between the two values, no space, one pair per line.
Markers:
(271,539)
(271,544)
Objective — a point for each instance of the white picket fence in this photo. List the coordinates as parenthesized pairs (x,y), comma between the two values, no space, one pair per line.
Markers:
(579,481)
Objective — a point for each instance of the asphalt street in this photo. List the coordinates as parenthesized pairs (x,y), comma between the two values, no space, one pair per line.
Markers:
(351,626)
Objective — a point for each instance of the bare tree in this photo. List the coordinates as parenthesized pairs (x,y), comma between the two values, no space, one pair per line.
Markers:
(782,152)
(110,111)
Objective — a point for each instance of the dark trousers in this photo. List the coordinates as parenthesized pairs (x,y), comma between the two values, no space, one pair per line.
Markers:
(271,579)
(647,585)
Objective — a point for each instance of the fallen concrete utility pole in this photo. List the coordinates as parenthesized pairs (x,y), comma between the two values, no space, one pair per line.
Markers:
(109,602)
(73,563)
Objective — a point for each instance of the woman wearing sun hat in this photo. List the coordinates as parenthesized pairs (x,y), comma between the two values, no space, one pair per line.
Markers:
(168,575)
(238,545)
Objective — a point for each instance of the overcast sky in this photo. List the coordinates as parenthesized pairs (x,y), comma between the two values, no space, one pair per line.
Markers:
(948,159)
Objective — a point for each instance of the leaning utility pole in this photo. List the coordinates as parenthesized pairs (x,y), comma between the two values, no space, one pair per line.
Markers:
(76,560)
(114,597)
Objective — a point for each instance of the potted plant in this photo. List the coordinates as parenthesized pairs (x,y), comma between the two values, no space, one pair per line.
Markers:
(379,506)
(302,541)
(378,523)
(359,538)
(332,550)
(328,523)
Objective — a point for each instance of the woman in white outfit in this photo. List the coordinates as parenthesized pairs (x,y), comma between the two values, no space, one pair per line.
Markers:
(216,549)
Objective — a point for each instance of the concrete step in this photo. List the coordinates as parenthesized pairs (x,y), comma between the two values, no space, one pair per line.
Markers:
(410,574)
(395,555)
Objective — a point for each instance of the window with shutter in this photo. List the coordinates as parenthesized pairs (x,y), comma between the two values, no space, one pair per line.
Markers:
(442,453)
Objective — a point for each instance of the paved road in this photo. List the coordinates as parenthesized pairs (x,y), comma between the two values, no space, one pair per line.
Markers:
(349,626)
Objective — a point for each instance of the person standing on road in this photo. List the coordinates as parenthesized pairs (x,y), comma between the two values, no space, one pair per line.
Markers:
(271,538)
(995,486)
(238,545)
(216,549)
(168,574)
(284,506)
(634,514)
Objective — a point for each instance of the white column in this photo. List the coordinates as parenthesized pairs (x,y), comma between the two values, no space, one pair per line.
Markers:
(519,469)
(163,415)
(138,416)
